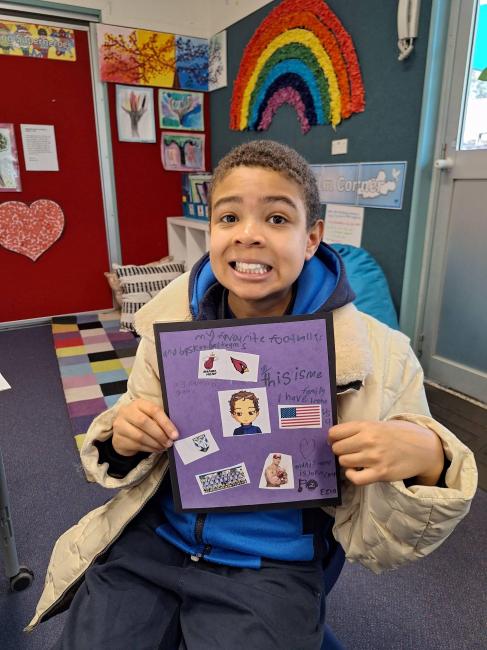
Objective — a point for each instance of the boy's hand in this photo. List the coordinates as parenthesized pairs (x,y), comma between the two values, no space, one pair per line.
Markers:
(387,451)
(142,426)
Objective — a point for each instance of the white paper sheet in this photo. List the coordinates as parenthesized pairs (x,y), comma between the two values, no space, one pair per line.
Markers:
(4,385)
(343,224)
(39,143)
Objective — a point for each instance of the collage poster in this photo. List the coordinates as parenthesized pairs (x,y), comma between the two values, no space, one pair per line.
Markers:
(253,401)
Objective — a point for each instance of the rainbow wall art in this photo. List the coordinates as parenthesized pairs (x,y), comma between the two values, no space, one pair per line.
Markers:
(300,55)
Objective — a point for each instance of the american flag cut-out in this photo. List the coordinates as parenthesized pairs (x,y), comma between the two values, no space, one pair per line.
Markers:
(302,416)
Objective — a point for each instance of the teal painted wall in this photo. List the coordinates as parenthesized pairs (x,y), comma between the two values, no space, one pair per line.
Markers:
(386,131)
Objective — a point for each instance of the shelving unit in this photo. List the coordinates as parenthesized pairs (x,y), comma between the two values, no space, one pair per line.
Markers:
(188,239)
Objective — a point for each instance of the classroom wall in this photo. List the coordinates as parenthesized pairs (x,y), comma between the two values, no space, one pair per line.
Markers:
(185,17)
(386,131)
(189,17)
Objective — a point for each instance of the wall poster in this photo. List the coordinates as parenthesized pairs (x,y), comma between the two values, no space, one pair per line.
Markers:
(253,401)
(135,114)
(9,162)
(37,41)
(183,152)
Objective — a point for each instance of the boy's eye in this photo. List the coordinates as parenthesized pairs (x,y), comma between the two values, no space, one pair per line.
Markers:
(277,219)
(228,218)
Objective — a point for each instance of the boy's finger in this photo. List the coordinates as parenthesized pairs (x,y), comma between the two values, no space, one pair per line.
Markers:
(156,442)
(166,425)
(345,430)
(364,476)
(144,422)
(353,461)
(157,414)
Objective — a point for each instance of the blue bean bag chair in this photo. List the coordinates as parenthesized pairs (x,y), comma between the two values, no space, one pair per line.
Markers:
(369,283)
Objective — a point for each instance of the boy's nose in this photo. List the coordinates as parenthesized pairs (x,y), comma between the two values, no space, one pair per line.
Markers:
(249,234)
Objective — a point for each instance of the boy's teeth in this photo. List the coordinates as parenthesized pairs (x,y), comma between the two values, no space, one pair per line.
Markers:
(244,267)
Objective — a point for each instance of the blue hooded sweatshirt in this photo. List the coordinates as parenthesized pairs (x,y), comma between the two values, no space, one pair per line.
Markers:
(244,538)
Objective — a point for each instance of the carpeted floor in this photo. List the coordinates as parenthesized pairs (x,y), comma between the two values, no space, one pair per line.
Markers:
(438,603)
(95,360)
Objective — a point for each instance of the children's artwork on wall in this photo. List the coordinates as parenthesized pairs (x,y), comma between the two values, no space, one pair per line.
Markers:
(30,230)
(300,55)
(217,61)
(192,63)
(9,162)
(183,152)
(181,109)
(37,41)
(135,114)
(260,395)
(136,56)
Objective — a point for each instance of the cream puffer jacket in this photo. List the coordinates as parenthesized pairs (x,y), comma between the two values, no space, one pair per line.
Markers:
(382,526)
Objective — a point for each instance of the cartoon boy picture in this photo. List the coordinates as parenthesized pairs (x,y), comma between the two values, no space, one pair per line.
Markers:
(244,408)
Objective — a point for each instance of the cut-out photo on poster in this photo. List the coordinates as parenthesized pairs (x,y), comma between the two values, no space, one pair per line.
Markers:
(223,479)
(229,365)
(277,472)
(244,412)
(212,364)
(300,416)
(200,445)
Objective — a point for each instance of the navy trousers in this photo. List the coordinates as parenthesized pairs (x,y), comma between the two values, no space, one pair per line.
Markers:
(148,595)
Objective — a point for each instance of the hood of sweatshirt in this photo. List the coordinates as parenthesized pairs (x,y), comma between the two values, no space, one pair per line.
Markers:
(321,286)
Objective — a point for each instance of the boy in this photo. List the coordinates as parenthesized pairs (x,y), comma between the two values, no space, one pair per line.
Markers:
(148,577)
(244,408)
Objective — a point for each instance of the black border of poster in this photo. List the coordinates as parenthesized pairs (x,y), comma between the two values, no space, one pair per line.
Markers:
(237,322)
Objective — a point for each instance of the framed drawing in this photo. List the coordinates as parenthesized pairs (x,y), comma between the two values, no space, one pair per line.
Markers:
(183,152)
(253,401)
(181,110)
(135,114)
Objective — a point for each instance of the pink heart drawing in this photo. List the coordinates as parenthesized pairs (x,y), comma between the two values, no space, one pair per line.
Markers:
(30,230)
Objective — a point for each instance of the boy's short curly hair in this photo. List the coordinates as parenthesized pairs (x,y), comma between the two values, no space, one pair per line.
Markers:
(269,154)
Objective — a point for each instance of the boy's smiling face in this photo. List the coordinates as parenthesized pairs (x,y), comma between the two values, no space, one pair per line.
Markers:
(259,240)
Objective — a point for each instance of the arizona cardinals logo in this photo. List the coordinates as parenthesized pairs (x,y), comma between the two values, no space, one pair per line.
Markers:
(240,366)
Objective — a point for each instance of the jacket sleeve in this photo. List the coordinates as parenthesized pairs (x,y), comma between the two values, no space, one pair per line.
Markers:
(143,383)
(385,525)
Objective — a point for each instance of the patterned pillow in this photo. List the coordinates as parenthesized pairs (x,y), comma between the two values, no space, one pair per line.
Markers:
(114,282)
(141,283)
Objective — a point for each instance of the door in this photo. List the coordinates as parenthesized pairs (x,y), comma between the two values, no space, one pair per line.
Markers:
(455,321)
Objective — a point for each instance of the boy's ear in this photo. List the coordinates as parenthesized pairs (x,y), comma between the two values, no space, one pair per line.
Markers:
(315,235)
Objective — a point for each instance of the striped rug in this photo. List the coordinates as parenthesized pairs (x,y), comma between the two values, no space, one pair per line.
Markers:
(95,360)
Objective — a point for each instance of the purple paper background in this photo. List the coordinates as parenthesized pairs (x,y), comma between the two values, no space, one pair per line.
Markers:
(193,406)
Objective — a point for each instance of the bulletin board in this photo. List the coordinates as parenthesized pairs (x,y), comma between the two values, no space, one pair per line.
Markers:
(68,276)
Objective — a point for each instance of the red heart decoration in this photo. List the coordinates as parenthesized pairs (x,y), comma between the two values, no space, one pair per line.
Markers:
(30,230)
